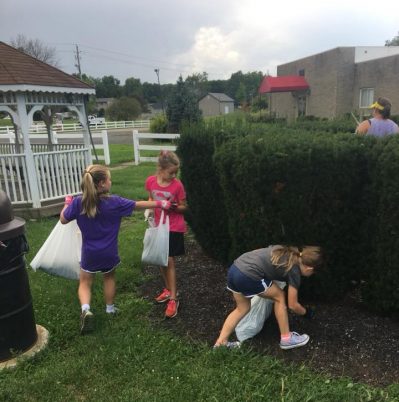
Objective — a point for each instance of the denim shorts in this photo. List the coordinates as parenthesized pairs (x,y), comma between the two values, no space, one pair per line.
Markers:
(238,282)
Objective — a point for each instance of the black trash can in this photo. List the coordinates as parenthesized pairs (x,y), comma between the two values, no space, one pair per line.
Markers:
(17,322)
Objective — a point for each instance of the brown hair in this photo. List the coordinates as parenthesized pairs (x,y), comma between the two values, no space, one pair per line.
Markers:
(386,104)
(167,159)
(288,256)
(93,175)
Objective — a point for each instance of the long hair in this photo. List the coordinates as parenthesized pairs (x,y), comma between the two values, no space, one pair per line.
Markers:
(167,159)
(288,256)
(386,104)
(92,176)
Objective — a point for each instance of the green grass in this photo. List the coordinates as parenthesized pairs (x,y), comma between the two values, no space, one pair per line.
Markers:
(127,359)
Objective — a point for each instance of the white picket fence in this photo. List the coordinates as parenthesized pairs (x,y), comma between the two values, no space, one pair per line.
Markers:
(60,127)
(137,147)
(39,143)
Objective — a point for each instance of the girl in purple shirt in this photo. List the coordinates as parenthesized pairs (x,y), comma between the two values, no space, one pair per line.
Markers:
(98,215)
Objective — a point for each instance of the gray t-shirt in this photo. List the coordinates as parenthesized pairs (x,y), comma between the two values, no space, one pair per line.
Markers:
(257,265)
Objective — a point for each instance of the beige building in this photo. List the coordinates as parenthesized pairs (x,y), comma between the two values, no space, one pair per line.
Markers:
(215,104)
(335,82)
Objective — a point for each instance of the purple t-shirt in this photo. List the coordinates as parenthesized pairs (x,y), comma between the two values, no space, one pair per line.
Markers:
(382,127)
(100,234)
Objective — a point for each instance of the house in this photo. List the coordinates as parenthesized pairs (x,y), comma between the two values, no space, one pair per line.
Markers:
(103,103)
(215,104)
(335,82)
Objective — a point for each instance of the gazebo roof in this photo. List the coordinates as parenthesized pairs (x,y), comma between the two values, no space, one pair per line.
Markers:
(21,72)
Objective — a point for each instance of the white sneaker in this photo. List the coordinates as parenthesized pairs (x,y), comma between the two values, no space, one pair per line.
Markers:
(295,341)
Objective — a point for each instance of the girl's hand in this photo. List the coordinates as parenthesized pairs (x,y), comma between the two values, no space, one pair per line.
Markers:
(309,314)
(68,200)
(164,204)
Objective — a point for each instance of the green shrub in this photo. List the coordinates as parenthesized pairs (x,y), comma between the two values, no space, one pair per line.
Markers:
(159,124)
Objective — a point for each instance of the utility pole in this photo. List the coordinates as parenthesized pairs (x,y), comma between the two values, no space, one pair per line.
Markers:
(77,58)
(160,89)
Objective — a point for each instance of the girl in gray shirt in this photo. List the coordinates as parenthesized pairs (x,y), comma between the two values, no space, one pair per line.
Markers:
(253,274)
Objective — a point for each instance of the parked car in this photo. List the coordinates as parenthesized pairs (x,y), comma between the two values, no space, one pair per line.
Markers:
(93,119)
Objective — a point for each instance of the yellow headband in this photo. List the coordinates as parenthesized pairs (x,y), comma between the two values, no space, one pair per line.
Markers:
(376,105)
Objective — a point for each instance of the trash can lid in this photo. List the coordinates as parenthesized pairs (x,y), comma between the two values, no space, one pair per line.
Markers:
(10,226)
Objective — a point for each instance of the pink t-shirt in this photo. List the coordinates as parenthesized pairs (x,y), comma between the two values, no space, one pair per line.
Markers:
(173,192)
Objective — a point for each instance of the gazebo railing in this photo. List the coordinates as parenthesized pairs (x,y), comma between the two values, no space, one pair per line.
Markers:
(13,172)
(57,173)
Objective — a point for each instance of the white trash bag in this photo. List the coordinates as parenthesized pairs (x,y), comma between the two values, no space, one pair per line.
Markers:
(254,321)
(61,252)
(156,243)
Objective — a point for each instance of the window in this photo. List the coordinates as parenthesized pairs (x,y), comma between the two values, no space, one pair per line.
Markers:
(366,97)
(301,72)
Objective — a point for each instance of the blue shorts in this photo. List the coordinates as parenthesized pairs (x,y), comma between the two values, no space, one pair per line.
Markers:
(237,282)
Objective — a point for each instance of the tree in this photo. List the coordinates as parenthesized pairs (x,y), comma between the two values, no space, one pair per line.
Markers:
(123,108)
(198,82)
(393,42)
(182,106)
(133,87)
(36,49)
(108,87)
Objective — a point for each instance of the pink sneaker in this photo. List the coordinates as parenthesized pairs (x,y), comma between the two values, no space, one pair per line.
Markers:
(163,297)
(171,309)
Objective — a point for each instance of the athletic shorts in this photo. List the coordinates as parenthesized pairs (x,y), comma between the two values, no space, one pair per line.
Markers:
(99,271)
(238,282)
(176,244)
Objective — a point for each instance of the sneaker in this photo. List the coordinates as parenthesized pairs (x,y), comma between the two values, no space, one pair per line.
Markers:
(295,341)
(163,297)
(229,345)
(113,313)
(86,322)
(171,308)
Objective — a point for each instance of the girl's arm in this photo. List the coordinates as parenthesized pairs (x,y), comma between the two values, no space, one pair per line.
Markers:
(153,204)
(180,208)
(293,303)
(68,201)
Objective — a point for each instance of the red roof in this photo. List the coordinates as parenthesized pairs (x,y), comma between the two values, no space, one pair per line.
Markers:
(17,68)
(285,83)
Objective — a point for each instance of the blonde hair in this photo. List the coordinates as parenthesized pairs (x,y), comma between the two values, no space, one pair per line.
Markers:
(167,159)
(93,175)
(288,256)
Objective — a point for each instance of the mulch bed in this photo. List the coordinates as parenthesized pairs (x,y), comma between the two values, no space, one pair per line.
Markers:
(346,340)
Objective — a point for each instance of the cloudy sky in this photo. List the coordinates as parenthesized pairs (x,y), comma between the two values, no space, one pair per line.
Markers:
(131,38)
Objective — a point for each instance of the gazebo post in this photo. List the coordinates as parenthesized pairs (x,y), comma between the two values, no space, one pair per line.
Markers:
(30,164)
(81,112)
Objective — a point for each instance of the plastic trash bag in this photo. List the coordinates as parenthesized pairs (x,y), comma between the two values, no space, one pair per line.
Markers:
(61,252)
(156,243)
(254,321)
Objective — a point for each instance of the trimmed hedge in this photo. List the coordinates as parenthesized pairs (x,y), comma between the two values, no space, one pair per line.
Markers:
(249,186)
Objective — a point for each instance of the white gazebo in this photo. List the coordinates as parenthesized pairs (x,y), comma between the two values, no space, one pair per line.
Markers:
(36,177)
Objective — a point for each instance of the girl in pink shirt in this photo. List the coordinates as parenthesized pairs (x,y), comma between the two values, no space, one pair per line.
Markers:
(165,186)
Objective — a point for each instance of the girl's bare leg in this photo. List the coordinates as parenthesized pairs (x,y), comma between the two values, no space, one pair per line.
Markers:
(170,274)
(243,305)
(280,307)
(85,283)
(109,287)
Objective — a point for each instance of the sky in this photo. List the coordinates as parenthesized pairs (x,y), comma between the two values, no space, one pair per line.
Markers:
(131,38)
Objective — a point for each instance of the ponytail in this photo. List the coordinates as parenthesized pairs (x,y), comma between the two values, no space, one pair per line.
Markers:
(288,256)
(92,176)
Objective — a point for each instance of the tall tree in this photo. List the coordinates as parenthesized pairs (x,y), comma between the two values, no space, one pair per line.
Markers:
(123,109)
(182,106)
(108,87)
(393,42)
(36,49)
(198,83)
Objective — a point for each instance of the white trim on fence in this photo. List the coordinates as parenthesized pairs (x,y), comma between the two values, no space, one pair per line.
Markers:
(104,145)
(137,146)
(60,127)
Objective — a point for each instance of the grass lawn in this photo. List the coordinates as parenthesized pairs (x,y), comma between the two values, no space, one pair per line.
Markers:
(126,359)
